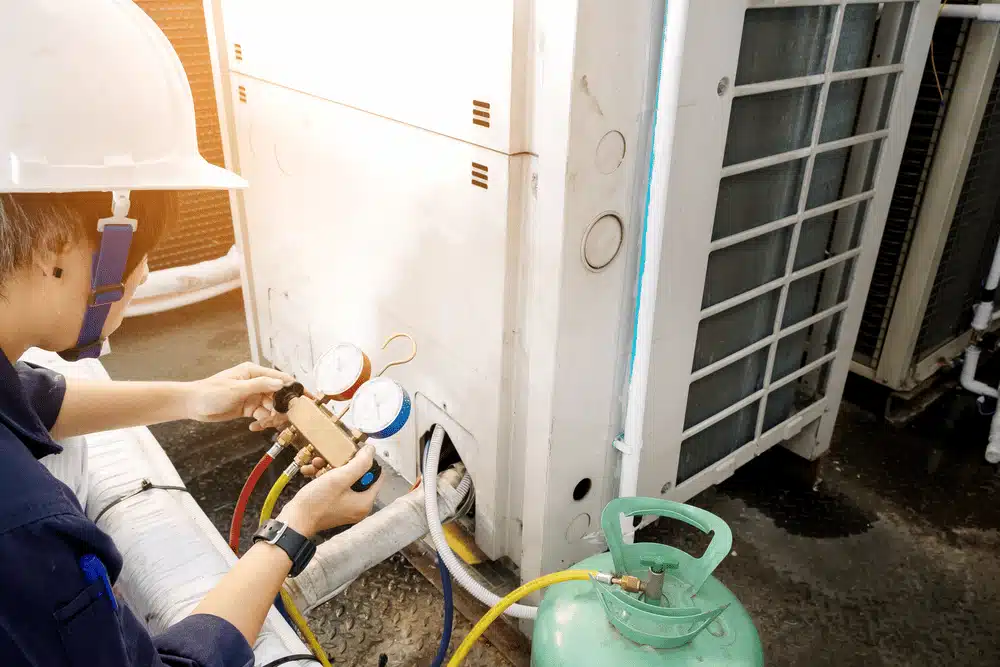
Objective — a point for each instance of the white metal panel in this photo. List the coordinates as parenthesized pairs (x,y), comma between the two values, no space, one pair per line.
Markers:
(597,65)
(361,227)
(422,63)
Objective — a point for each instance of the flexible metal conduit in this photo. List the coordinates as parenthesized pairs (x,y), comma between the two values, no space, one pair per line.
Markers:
(455,566)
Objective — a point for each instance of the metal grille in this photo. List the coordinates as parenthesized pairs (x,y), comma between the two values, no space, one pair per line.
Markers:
(972,236)
(204,228)
(808,120)
(918,154)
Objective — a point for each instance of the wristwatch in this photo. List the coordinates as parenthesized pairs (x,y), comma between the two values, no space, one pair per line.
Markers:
(300,549)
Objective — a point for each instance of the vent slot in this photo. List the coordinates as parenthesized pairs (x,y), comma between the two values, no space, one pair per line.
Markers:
(238,52)
(480,177)
(243,93)
(481,113)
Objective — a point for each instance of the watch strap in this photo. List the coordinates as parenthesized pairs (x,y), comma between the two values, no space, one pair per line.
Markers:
(300,549)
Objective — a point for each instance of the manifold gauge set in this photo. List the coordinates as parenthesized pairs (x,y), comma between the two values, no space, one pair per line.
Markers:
(379,407)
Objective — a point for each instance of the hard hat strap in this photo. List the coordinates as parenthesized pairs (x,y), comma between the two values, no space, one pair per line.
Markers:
(107,284)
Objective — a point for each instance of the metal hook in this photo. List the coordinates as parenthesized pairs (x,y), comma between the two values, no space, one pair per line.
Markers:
(413,352)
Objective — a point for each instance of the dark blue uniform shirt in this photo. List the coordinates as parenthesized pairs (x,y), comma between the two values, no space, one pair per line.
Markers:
(49,614)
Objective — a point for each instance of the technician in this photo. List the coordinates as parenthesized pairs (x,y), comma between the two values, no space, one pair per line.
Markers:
(97,131)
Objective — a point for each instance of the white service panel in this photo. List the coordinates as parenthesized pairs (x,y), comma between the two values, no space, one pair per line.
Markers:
(444,65)
(361,227)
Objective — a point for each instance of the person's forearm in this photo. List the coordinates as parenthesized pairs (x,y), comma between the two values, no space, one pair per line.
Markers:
(244,596)
(102,405)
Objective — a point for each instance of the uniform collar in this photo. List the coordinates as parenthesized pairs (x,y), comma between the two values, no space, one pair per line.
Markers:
(17,414)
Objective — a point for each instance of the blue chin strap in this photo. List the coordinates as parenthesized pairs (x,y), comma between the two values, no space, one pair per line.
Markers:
(106,285)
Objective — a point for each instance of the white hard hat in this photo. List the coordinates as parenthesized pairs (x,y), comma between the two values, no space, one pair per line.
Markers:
(95,99)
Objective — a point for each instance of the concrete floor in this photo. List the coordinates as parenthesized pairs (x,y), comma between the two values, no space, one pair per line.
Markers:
(890,559)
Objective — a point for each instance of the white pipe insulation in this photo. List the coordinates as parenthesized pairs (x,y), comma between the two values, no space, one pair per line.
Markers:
(981,319)
(346,556)
(173,555)
(179,286)
(664,128)
(968,377)
(989,12)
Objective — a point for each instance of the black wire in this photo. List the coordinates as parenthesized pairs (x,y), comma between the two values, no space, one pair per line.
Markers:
(144,486)
(292,658)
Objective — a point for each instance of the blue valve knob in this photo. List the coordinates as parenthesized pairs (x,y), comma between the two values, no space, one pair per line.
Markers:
(369,478)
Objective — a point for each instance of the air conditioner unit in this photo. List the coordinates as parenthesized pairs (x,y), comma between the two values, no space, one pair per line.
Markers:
(475,174)
(944,219)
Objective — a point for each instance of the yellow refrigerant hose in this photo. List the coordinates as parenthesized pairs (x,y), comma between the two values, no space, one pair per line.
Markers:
(293,611)
(498,609)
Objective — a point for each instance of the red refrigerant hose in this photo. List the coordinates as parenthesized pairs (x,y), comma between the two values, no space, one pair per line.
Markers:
(236,526)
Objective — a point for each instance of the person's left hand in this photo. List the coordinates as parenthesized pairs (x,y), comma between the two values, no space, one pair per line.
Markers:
(246,390)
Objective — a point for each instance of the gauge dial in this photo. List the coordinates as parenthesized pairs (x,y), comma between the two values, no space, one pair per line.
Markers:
(341,370)
(380,408)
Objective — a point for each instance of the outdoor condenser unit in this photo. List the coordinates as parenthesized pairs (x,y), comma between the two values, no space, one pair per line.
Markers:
(475,174)
(944,219)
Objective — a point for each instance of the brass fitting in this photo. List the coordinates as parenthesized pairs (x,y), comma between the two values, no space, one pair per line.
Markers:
(629,584)
(286,437)
(305,455)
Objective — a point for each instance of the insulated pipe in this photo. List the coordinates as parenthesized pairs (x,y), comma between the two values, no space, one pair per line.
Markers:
(455,566)
(993,445)
(664,127)
(975,12)
(344,557)
(968,377)
(993,278)
(173,553)
(179,286)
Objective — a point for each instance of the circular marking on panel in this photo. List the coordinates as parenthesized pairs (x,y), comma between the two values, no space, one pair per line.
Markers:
(602,241)
(578,527)
(610,151)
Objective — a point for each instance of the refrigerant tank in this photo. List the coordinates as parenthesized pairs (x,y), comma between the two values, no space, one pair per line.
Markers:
(695,620)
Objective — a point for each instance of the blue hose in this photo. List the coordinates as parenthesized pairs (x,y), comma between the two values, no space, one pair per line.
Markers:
(449,612)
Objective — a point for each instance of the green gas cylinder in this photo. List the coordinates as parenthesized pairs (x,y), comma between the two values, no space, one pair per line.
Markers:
(684,616)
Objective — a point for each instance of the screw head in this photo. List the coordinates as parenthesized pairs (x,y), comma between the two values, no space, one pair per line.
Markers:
(666,487)
(723,85)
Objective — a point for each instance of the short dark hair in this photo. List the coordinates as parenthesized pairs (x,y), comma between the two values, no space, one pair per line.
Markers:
(30,223)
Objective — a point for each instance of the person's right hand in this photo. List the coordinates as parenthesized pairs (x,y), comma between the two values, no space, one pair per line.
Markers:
(328,501)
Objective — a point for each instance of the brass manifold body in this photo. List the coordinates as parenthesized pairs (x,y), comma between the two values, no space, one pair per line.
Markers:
(314,430)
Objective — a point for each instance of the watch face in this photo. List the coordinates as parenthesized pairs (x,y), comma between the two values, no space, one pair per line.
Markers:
(339,369)
(376,405)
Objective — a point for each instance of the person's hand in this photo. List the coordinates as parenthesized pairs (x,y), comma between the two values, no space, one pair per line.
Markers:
(242,391)
(311,468)
(328,502)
